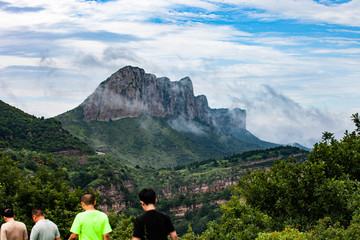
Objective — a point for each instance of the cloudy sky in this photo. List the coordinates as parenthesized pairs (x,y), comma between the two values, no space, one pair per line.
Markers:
(293,65)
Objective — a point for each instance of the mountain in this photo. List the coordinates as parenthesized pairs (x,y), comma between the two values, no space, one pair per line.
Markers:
(131,92)
(148,121)
(19,130)
(300,146)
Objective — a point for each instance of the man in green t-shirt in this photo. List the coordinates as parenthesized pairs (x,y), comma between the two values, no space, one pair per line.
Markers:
(91,224)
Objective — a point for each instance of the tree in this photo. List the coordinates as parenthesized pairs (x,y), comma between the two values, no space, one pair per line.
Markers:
(356,119)
(122,226)
(46,189)
(239,221)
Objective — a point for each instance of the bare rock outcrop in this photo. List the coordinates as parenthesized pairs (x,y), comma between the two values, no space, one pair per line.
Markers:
(130,92)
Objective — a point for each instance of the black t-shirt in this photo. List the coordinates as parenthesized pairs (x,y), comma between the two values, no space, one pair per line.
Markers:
(153,225)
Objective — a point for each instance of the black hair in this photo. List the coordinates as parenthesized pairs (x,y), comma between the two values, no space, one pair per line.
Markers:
(9,213)
(88,199)
(148,196)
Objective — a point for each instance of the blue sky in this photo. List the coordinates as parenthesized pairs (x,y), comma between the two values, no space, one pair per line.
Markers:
(293,65)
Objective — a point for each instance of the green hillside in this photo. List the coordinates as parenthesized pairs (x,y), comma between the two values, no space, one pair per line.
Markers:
(19,130)
(152,141)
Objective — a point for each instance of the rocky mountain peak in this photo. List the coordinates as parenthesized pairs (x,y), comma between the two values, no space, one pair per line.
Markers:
(130,92)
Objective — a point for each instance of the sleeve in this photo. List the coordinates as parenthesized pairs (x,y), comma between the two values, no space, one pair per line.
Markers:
(137,229)
(169,226)
(3,234)
(33,233)
(76,226)
(107,227)
(57,233)
(25,232)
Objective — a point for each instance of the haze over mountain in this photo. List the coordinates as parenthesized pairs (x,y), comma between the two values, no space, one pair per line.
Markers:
(142,119)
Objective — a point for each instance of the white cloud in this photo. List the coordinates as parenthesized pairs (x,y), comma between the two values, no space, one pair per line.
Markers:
(305,10)
(342,51)
(277,118)
(52,47)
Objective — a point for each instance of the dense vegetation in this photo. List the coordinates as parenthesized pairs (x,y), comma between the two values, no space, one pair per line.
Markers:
(19,130)
(94,171)
(46,189)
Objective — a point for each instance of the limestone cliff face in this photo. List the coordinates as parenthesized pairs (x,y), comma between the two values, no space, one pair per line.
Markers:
(130,92)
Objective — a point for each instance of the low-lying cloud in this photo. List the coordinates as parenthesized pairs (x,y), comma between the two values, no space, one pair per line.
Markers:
(275,117)
(181,124)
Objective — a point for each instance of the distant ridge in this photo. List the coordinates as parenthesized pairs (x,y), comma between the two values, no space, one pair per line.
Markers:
(19,130)
(144,120)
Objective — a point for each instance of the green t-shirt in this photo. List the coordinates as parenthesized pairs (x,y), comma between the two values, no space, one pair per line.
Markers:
(91,225)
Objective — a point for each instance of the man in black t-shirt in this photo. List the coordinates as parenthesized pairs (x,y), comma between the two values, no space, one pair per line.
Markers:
(152,224)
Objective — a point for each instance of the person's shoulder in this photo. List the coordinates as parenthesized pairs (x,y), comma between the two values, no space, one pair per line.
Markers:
(4,224)
(20,223)
(142,215)
(80,215)
(162,213)
(48,221)
(100,213)
(152,214)
(95,213)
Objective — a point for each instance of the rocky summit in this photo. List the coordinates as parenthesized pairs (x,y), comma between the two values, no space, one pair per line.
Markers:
(131,92)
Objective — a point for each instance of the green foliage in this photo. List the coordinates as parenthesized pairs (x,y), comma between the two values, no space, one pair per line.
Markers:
(190,235)
(239,221)
(198,219)
(46,189)
(19,130)
(122,226)
(298,194)
(356,119)
(288,233)
(319,197)
(11,179)
(326,229)
(339,157)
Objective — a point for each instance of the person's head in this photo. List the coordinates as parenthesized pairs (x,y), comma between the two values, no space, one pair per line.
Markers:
(37,214)
(147,196)
(8,214)
(88,199)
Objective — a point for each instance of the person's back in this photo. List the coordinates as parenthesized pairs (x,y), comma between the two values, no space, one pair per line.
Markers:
(91,224)
(44,229)
(152,224)
(11,229)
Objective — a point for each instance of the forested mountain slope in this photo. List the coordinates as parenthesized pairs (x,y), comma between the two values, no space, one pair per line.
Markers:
(19,130)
